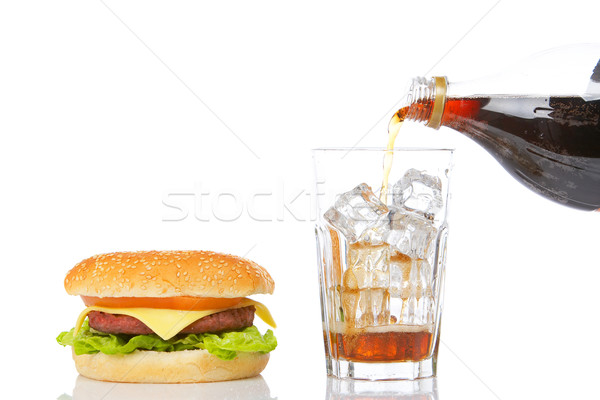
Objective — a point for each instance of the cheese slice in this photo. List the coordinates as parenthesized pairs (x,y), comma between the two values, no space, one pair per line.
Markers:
(168,323)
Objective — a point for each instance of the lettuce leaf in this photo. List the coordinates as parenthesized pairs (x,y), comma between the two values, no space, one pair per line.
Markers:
(224,345)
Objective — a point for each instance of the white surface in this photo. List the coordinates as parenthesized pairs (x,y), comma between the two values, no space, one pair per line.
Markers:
(97,132)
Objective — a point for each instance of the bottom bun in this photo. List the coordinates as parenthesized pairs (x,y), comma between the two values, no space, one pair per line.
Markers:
(187,366)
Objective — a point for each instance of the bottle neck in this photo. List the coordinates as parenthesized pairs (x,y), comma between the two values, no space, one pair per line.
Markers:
(426,99)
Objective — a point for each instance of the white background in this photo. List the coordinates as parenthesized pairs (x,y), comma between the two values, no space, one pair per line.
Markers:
(105,111)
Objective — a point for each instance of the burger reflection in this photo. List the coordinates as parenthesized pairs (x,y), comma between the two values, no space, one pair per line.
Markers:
(346,389)
(244,389)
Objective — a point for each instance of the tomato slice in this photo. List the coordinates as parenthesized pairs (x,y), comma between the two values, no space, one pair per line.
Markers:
(186,303)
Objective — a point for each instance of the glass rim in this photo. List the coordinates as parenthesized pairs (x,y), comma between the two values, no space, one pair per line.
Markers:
(383,149)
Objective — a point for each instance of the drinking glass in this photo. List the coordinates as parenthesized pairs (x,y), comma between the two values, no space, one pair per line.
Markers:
(381,262)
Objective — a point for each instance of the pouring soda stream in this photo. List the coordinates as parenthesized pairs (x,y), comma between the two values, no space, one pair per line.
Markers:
(393,130)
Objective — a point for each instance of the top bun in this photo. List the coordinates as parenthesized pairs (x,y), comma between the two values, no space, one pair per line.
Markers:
(168,274)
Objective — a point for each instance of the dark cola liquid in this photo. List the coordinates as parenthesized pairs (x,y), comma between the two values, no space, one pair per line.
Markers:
(550,144)
(391,346)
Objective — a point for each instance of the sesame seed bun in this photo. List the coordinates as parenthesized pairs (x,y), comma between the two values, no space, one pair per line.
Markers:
(168,274)
(187,366)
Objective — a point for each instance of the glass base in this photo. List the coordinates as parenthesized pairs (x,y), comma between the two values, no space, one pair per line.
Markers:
(374,371)
(347,389)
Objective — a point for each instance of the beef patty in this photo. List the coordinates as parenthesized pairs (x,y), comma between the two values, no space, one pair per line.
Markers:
(236,318)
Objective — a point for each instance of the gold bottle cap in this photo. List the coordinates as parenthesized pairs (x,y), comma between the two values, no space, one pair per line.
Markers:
(441,85)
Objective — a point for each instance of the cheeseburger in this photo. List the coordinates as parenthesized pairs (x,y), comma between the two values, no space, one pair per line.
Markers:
(169,317)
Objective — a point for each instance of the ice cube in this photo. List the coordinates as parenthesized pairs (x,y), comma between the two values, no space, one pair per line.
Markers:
(367,307)
(418,191)
(374,234)
(365,296)
(411,233)
(377,302)
(411,293)
(400,267)
(367,267)
(356,211)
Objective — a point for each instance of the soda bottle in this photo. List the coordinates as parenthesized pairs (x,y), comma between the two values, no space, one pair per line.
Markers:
(540,119)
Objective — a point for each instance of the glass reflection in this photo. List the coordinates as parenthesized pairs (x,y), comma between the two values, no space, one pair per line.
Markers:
(348,389)
(245,389)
